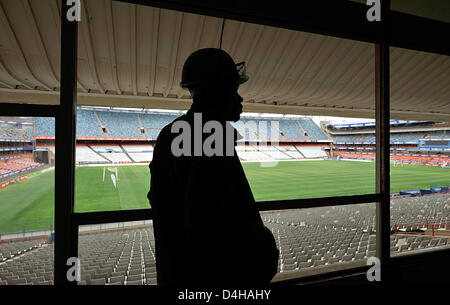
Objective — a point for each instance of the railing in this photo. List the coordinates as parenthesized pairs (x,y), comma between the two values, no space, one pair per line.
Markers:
(25,238)
(429,228)
(442,221)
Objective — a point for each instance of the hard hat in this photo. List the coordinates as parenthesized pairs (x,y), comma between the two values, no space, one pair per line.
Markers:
(211,65)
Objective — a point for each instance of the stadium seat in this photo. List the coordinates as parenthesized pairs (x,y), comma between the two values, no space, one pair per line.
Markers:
(318,263)
(150,275)
(442,242)
(99,276)
(150,268)
(116,279)
(16,281)
(340,252)
(151,282)
(99,281)
(134,277)
(304,265)
(136,271)
(121,268)
(316,258)
(103,271)
(372,247)
(333,260)
(415,245)
(44,283)
(288,261)
(289,267)
(347,258)
(327,256)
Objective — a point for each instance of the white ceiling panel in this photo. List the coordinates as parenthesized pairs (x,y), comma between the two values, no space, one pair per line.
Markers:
(132,56)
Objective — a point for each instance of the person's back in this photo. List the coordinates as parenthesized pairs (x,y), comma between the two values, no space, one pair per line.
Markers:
(207,229)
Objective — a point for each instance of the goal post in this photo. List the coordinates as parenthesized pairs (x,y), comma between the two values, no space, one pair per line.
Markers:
(112,169)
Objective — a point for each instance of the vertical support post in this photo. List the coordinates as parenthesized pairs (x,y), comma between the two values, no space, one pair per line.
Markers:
(66,231)
(382,114)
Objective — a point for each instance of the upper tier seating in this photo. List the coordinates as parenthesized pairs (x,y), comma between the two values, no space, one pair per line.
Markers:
(313,130)
(394,136)
(16,131)
(45,126)
(120,124)
(127,125)
(155,122)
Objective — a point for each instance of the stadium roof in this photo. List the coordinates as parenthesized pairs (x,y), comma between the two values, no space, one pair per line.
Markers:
(129,57)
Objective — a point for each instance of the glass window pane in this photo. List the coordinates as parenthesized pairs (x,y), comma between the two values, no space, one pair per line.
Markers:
(420,151)
(324,239)
(112,157)
(309,73)
(117,254)
(27,201)
(333,159)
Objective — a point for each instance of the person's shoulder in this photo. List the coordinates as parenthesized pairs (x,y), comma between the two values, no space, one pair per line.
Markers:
(166,135)
(166,131)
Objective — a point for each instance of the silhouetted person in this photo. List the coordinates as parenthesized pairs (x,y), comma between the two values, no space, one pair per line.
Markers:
(208,231)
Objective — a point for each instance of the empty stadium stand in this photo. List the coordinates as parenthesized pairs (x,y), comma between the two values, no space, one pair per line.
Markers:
(311,152)
(85,154)
(412,142)
(113,153)
(94,122)
(306,238)
(19,164)
(155,122)
(139,153)
(95,125)
(10,129)
(120,124)
(395,137)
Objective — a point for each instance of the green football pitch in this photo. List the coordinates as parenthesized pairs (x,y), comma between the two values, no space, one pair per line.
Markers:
(29,204)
